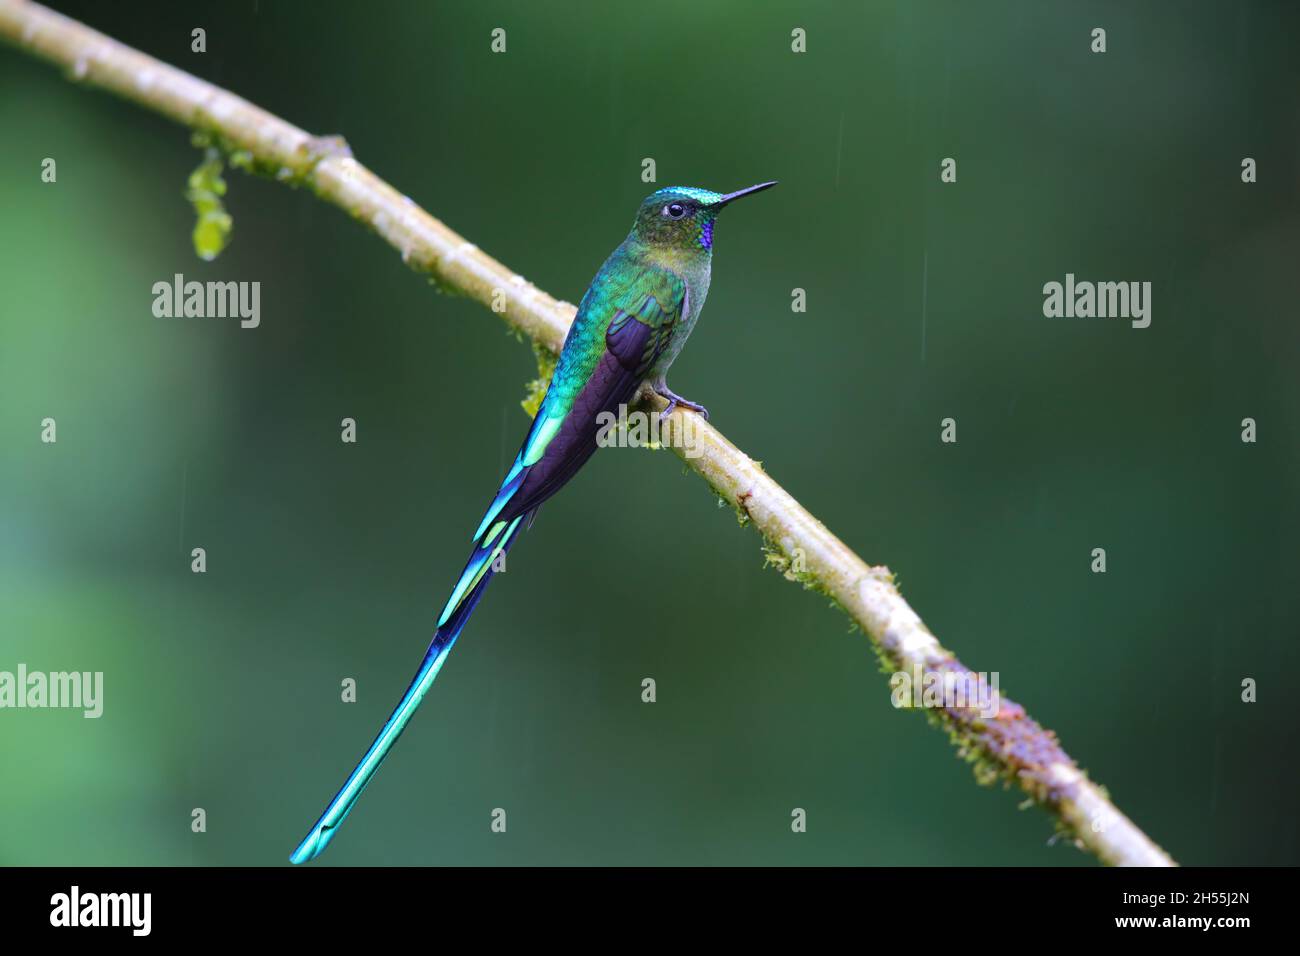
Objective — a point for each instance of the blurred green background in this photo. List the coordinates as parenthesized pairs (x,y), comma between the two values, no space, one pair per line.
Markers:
(924,301)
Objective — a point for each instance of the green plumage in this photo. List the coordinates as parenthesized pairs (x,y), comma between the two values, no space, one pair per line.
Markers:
(631,324)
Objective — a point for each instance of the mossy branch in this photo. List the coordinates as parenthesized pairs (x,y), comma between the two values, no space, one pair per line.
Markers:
(1010,746)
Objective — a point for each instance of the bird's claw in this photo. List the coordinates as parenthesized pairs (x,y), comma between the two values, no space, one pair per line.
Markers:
(674,400)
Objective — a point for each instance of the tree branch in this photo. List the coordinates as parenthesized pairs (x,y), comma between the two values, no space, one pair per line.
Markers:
(1010,746)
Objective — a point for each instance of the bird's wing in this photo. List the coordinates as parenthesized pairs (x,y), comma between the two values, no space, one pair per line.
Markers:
(642,313)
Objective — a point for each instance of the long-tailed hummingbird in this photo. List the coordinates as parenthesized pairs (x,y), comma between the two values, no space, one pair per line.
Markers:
(630,326)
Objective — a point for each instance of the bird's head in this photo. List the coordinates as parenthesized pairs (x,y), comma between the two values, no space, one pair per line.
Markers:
(682,217)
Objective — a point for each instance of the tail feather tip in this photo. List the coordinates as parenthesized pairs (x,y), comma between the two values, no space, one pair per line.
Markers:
(311,847)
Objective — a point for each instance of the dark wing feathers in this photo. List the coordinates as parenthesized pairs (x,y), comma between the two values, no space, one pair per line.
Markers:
(637,333)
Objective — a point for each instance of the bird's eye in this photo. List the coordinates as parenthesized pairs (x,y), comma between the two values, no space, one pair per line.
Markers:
(674,210)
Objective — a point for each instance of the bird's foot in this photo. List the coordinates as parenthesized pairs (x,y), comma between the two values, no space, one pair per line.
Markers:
(673,399)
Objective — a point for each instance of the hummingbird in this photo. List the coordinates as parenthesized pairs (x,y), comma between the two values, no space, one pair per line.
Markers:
(630,325)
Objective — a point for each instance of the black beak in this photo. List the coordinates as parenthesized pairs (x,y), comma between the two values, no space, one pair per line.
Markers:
(742,192)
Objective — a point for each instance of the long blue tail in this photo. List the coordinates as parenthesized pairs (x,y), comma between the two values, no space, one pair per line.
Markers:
(492,542)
